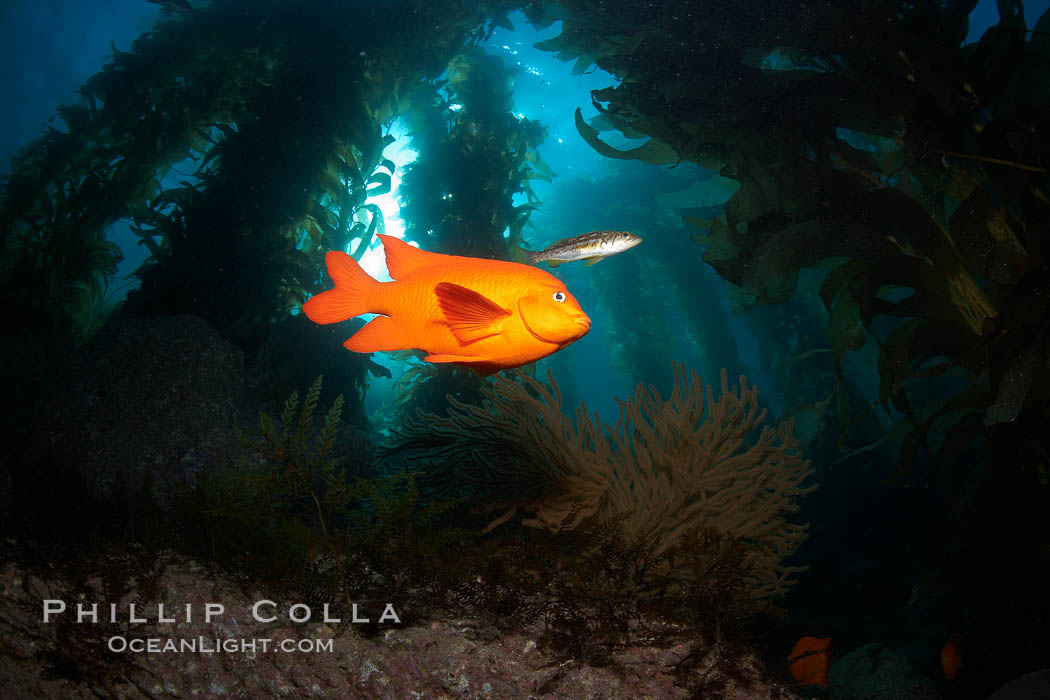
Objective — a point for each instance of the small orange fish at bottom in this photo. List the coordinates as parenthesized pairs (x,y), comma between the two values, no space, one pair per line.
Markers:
(808,661)
(951,657)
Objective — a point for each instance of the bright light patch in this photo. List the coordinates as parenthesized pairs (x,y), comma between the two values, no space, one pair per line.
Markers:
(455,107)
(373,261)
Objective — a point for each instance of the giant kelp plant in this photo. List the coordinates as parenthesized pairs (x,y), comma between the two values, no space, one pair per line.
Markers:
(280,111)
(912,161)
(475,155)
(866,138)
(457,197)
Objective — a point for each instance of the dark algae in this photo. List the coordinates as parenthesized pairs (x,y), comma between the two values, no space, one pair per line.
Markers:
(235,463)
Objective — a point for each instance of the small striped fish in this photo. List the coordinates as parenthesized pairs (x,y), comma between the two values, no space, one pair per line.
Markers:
(591,247)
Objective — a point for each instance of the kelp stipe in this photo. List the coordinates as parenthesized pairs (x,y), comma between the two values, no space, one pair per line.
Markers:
(457,197)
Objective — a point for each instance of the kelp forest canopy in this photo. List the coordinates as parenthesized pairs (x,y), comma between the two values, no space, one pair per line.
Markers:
(862,139)
(280,108)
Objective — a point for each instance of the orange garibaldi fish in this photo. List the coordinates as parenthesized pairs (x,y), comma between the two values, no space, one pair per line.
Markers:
(485,314)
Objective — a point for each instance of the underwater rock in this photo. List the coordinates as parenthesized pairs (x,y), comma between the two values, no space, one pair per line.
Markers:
(448,655)
(1033,686)
(876,671)
(132,418)
(117,434)
(144,407)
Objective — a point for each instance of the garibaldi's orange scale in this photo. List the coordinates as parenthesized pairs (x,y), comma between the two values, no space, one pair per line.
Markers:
(485,314)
